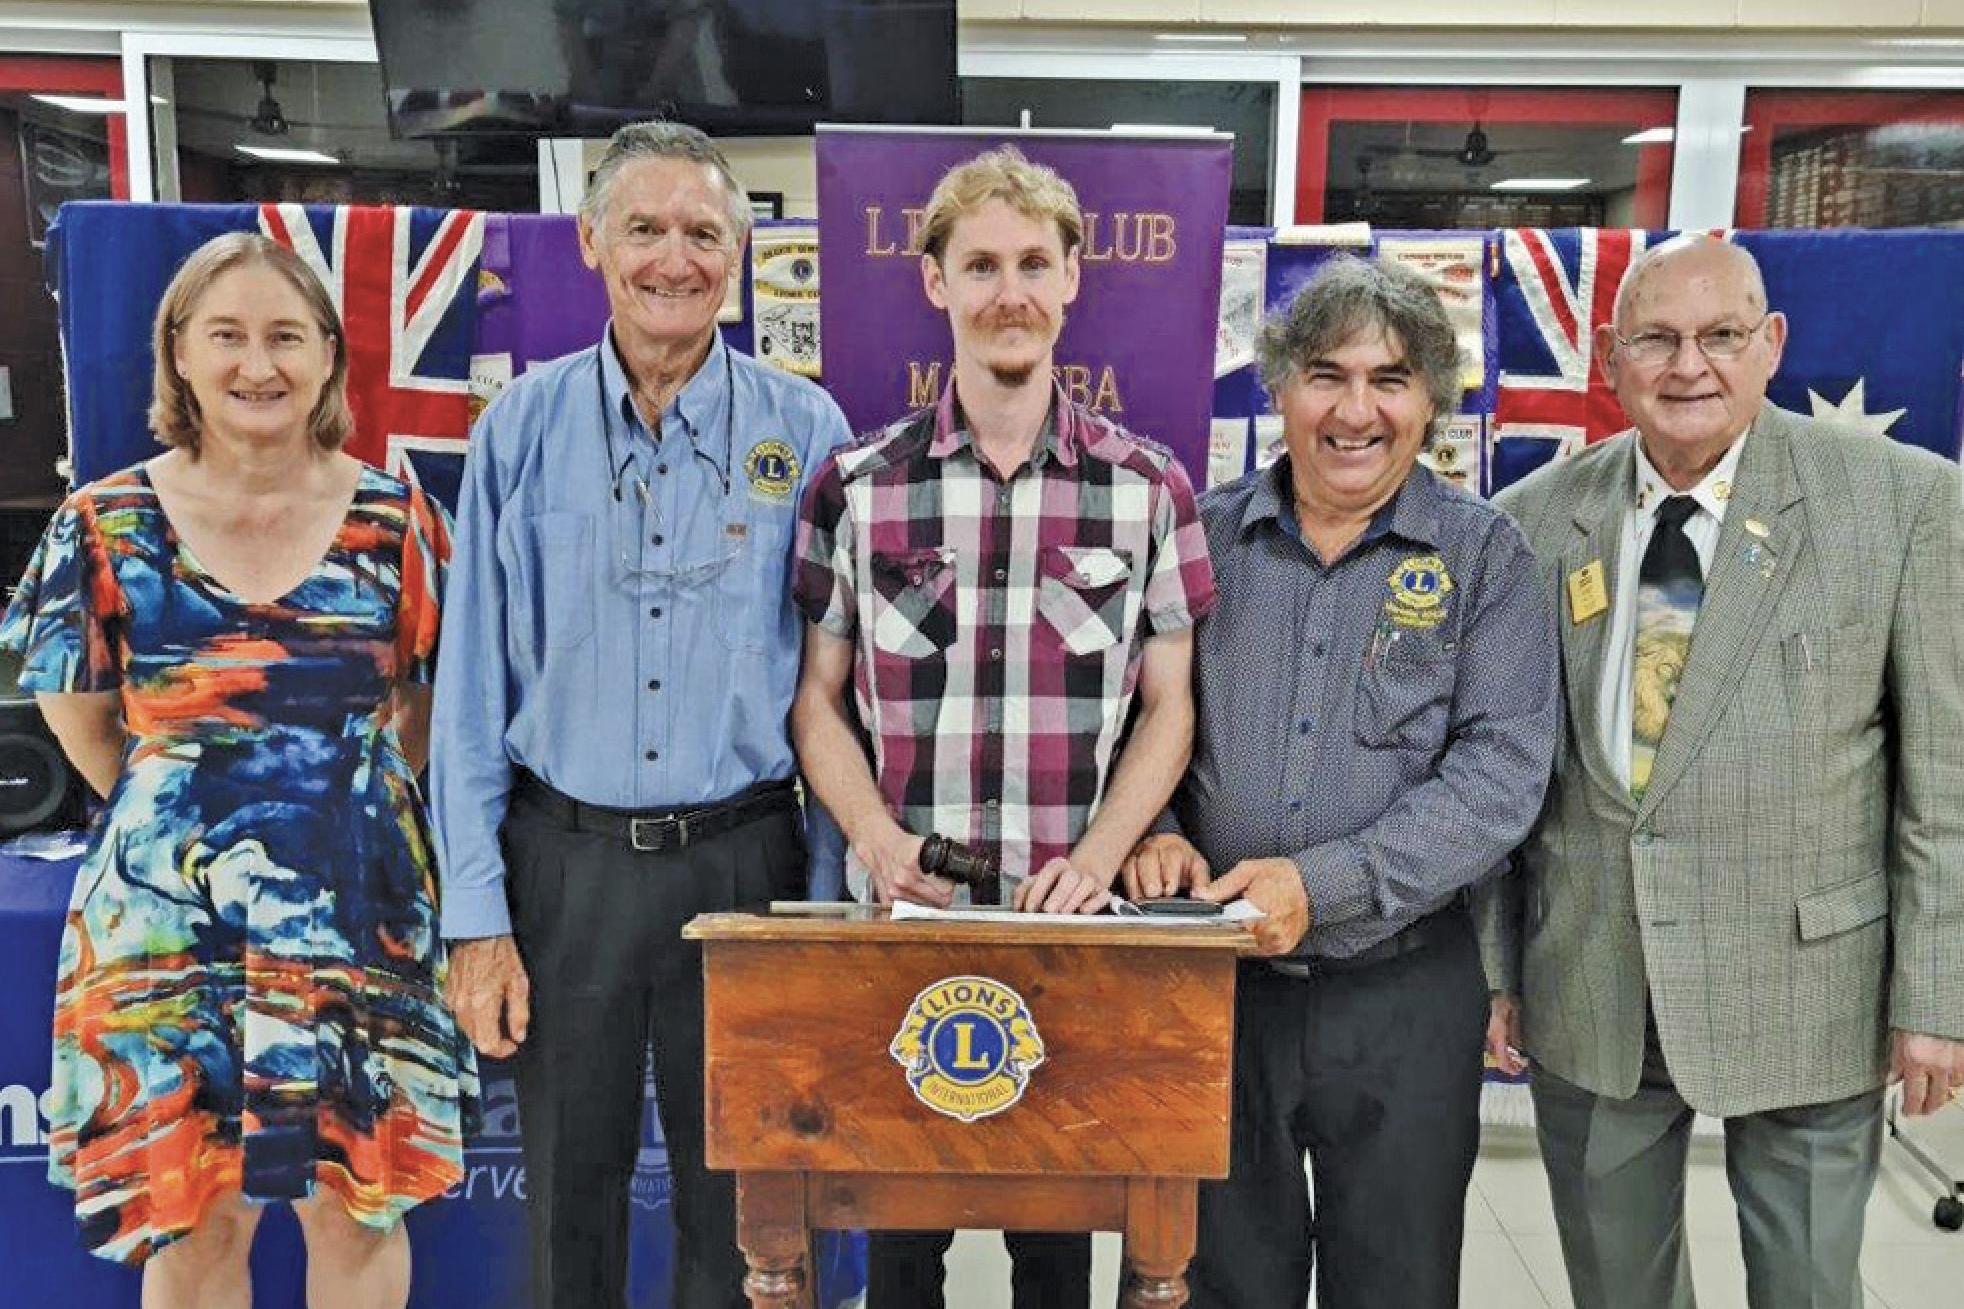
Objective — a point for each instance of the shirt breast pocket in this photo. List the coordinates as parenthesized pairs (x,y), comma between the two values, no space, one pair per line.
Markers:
(1404,701)
(752,560)
(914,594)
(1084,595)
(555,563)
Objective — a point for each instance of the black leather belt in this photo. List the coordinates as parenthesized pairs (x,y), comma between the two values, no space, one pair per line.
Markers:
(1421,935)
(657,830)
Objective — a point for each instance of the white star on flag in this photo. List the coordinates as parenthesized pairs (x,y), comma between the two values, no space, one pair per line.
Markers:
(1853,410)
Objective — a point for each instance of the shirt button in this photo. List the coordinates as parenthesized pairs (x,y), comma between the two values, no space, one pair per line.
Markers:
(1319,649)
(1642,838)
(995,654)
(655,612)
(991,804)
(653,755)
(1295,806)
(654,684)
(1002,574)
(662,469)
(657,538)
(1303,727)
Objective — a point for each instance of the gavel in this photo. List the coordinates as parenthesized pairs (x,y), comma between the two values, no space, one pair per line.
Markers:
(942,857)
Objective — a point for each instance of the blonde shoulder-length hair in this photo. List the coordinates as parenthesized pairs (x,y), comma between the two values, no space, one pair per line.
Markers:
(174,413)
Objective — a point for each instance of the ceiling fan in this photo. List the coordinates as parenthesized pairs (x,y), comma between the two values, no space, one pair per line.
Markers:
(1365,201)
(1476,151)
(221,97)
(268,119)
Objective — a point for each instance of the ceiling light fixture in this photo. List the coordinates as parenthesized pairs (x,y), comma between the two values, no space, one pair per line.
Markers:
(1203,38)
(1540,184)
(277,155)
(83,104)
(1161,129)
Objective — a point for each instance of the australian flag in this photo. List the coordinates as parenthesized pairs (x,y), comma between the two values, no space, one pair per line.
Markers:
(404,279)
(1875,339)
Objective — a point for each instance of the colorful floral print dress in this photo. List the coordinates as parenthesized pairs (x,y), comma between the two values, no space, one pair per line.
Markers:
(250,982)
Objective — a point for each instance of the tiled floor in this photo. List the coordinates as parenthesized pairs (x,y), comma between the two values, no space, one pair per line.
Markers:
(1514,1261)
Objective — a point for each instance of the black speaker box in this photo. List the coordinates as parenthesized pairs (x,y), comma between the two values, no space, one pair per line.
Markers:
(39,790)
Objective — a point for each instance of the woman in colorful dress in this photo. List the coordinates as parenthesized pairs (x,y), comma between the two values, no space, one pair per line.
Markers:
(234,643)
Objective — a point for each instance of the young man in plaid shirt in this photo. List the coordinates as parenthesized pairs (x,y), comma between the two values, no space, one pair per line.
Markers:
(998,579)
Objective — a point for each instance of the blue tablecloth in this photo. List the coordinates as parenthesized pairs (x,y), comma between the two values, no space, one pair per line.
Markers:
(469,1249)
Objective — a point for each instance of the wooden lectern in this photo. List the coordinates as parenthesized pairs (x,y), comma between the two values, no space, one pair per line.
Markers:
(1124,1037)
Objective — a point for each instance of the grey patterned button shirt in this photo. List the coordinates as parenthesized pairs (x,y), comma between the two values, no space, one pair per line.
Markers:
(1387,721)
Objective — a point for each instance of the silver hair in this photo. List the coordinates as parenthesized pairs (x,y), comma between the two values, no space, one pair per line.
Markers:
(1350,298)
(659,139)
(1646,265)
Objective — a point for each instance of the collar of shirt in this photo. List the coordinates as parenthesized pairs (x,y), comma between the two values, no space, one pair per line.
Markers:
(1711,493)
(700,409)
(1412,512)
(1062,433)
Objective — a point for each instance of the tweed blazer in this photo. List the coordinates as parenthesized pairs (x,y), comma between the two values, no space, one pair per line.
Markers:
(1792,885)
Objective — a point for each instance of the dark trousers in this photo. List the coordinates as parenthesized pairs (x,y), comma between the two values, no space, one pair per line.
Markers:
(599,926)
(1048,1270)
(1375,1073)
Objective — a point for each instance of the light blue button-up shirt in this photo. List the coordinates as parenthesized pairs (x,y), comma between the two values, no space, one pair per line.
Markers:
(618,619)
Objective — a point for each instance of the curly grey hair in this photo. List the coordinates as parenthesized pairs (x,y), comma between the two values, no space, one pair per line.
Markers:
(1351,297)
(660,139)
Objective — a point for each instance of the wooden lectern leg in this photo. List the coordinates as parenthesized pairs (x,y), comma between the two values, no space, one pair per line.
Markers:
(771,1232)
(1160,1218)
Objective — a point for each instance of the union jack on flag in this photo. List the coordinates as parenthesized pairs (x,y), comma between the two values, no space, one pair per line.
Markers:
(1554,287)
(396,275)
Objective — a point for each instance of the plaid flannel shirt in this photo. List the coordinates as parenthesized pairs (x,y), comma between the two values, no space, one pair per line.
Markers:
(999,623)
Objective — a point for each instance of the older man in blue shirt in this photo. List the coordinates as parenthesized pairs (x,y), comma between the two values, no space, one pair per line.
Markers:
(1377,712)
(610,726)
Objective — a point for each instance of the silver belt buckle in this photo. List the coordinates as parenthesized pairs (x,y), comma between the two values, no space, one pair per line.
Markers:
(657,830)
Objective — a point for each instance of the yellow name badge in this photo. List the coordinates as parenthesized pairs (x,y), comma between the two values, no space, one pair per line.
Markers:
(1588,592)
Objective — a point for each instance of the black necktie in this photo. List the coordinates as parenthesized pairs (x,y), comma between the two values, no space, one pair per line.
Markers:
(1670,587)
(1671,560)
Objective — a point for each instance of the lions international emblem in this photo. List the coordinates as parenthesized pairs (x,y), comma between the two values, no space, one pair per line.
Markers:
(1419,587)
(968,1045)
(772,467)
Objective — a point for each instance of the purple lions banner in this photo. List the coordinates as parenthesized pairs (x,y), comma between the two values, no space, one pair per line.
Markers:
(1138,345)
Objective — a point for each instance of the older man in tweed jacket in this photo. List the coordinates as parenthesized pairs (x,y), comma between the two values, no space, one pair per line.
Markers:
(1745,897)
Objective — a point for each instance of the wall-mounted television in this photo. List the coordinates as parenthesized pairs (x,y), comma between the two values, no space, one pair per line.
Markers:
(581,68)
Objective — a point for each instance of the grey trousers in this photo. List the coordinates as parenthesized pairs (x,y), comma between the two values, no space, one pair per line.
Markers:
(1801,1179)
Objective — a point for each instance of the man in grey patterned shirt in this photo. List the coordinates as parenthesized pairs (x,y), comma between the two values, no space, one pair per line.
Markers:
(1376,693)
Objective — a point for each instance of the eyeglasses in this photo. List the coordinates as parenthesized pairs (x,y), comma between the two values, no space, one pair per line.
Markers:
(1713,343)
(680,574)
